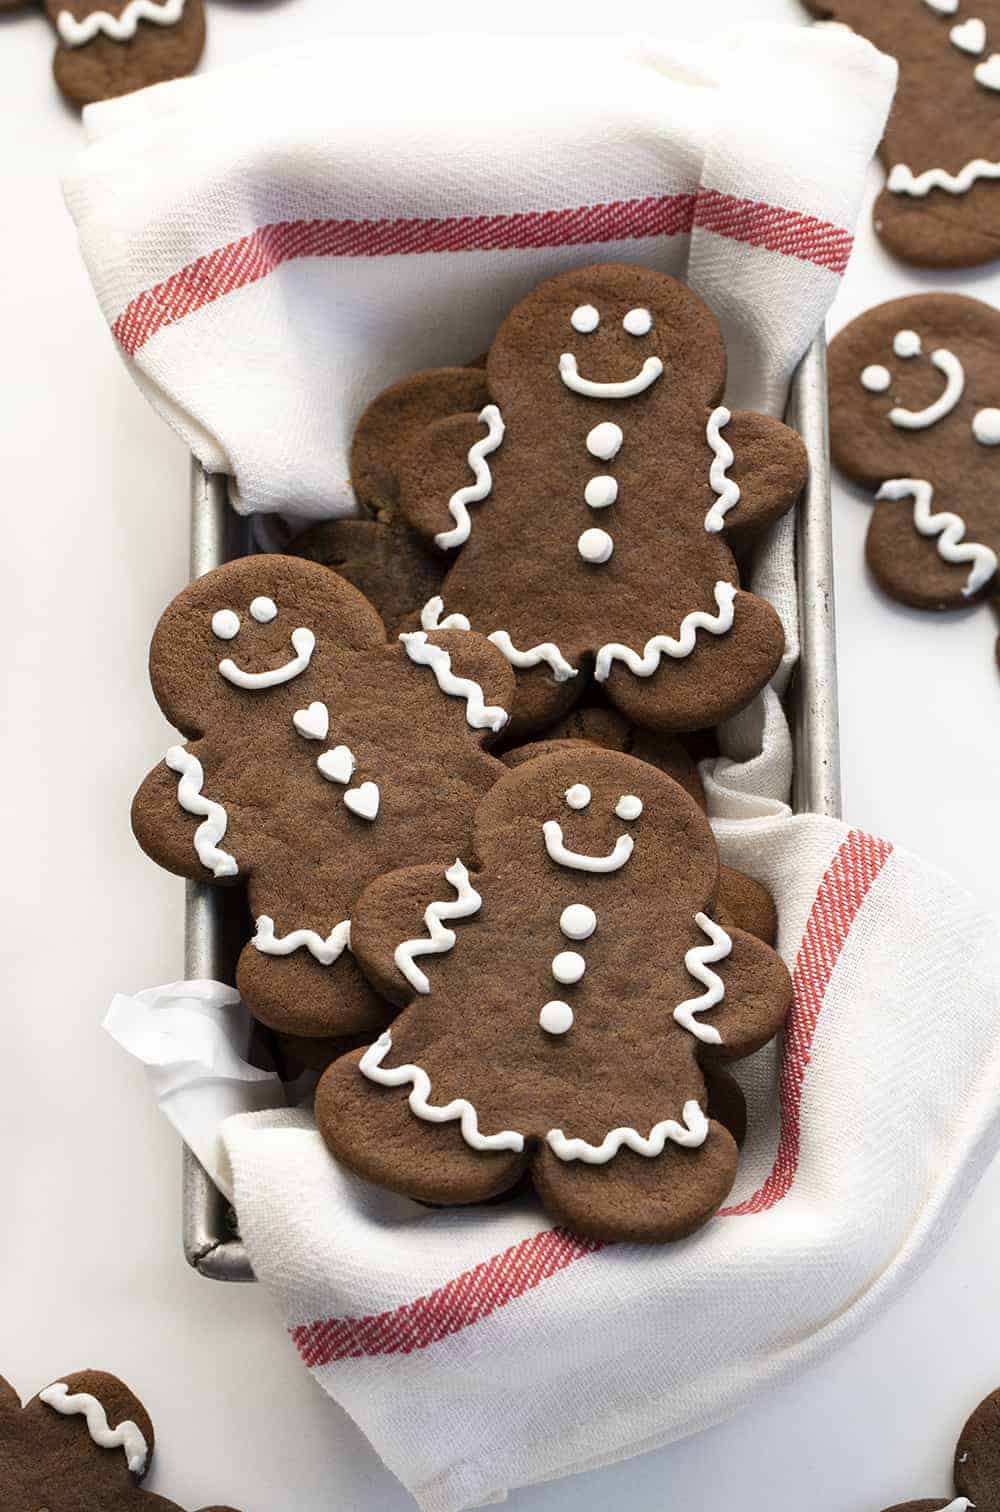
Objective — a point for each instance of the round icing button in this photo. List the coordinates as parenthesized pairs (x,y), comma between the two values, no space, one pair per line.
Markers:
(577,921)
(556,1017)
(605,440)
(986,427)
(601,491)
(595,546)
(568,967)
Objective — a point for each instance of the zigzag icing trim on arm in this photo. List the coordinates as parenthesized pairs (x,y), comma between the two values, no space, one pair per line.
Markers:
(949,529)
(697,963)
(479,714)
(215,819)
(371,1066)
(473,493)
(690,1134)
(440,939)
(121,28)
(430,616)
(665,645)
(903,181)
(545,651)
(727,490)
(127,1435)
(324,951)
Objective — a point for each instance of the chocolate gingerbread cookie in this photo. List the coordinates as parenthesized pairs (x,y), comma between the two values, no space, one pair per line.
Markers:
(564,981)
(977,1465)
(941,203)
(318,757)
(112,47)
(914,396)
(83,1444)
(591,504)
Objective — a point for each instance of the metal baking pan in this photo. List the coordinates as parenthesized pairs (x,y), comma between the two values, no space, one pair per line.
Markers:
(211,1239)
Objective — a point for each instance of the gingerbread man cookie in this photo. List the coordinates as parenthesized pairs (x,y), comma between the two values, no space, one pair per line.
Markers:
(914,396)
(591,505)
(564,982)
(941,203)
(83,1444)
(977,1466)
(318,757)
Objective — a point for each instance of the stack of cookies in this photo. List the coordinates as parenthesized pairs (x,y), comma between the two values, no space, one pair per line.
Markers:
(449,751)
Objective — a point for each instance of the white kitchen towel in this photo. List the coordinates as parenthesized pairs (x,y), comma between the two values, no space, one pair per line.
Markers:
(273,243)
(483,1350)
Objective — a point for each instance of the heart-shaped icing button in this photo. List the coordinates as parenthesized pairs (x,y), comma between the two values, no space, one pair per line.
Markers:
(970,36)
(988,73)
(363,800)
(337,765)
(314,722)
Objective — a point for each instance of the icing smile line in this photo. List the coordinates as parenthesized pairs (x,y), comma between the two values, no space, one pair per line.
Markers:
(305,644)
(947,363)
(558,852)
(644,379)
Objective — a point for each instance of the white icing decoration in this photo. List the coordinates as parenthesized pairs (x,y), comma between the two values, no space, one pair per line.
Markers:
(370,1065)
(440,939)
(601,491)
(907,344)
(578,796)
(304,643)
(638,322)
(727,490)
(225,624)
(903,181)
(697,963)
(312,723)
(947,363)
(545,651)
(326,952)
(121,28)
(988,74)
(986,427)
(478,714)
(127,1435)
(876,379)
(638,384)
(364,800)
(691,1134)
(605,440)
(215,819)
(595,546)
(337,765)
(949,529)
(473,493)
(969,36)
(943,7)
(578,860)
(585,319)
(568,967)
(430,616)
(665,645)
(628,806)
(961,1503)
(556,1017)
(577,921)
(264,610)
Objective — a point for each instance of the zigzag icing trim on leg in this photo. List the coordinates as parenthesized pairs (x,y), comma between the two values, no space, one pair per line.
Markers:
(473,493)
(127,1435)
(545,651)
(697,963)
(690,1134)
(727,490)
(479,714)
(439,938)
(665,645)
(949,529)
(324,951)
(902,180)
(430,616)
(459,1108)
(190,797)
(120,28)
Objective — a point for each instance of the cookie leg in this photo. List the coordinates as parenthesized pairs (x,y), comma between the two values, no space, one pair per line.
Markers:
(638,1200)
(373,1131)
(906,565)
(295,994)
(99,56)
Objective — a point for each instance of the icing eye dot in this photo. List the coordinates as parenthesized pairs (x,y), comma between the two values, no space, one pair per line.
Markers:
(595,546)
(986,427)
(264,610)
(577,921)
(568,967)
(907,344)
(876,379)
(225,624)
(578,796)
(585,318)
(628,806)
(638,322)
(556,1017)
(605,440)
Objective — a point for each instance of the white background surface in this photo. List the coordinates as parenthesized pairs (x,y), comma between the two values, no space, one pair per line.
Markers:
(91,1272)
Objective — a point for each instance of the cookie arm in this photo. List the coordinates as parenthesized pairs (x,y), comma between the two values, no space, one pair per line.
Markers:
(388,426)
(769,467)
(747,904)
(758,996)
(181,824)
(405,919)
(446,474)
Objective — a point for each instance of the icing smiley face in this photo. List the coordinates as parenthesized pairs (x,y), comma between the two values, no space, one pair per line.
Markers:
(876,379)
(637,322)
(226,627)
